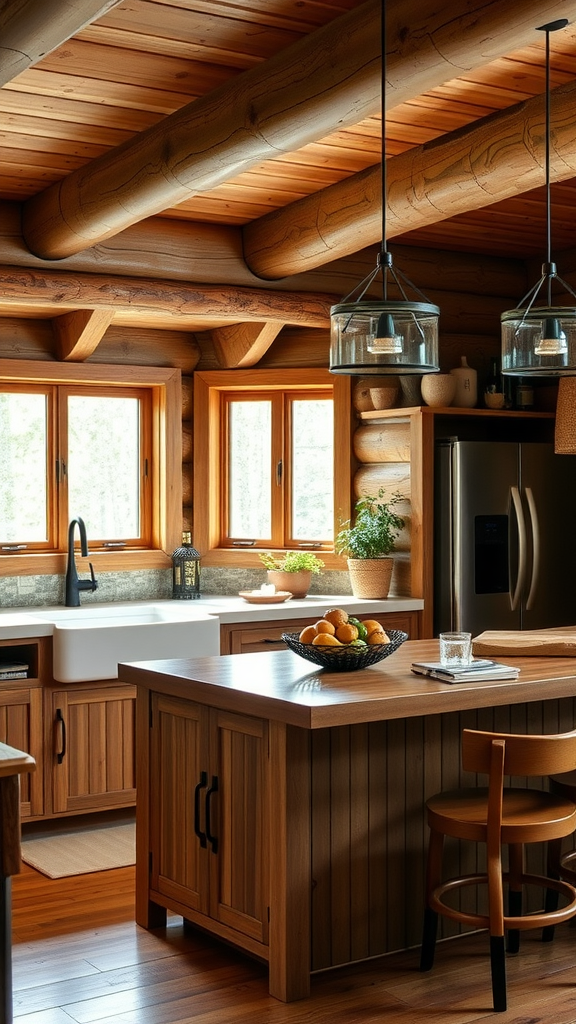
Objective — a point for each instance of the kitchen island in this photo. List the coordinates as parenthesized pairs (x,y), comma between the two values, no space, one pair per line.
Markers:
(280,807)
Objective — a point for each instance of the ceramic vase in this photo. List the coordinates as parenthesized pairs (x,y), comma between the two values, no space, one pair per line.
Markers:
(438,389)
(386,395)
(295,583)
(466,385)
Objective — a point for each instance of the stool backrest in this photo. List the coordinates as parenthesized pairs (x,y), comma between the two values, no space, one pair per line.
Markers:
(523,754)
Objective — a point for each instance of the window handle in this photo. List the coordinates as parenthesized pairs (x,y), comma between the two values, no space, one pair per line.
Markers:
(279,473)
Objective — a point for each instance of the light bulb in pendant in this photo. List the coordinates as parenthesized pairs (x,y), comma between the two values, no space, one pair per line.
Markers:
(385,341)
(553,341)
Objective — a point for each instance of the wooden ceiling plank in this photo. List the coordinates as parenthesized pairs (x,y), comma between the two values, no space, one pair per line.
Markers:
(208,35)
(170,74)
(475,167)
(80,332)
(29,29)
(38,82)
(243,345)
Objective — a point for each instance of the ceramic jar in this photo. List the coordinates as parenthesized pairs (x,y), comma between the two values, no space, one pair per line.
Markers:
(466,385)
(438,389)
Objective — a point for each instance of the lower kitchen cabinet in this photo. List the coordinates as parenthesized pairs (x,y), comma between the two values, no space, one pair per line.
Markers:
(89,743)
(208,798)
(242,639)
(21,714)
(21,727)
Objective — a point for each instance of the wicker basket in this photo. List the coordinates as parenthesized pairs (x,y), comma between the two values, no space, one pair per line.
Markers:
(347,658)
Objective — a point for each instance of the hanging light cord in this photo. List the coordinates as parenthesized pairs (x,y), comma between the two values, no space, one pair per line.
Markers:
(548,268)
(384,262)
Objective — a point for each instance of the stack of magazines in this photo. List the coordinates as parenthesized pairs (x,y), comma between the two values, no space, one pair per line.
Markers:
(13,670)
(474,672)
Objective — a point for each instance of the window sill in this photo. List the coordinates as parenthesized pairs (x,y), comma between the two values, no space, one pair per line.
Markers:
(54,564)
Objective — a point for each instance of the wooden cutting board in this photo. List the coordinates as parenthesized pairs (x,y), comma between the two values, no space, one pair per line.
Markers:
(560,642)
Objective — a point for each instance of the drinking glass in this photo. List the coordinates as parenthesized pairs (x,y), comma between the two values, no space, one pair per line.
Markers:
(455,649)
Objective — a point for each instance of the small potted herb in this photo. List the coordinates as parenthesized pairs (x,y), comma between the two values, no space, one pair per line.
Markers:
(292,571)
(369,542)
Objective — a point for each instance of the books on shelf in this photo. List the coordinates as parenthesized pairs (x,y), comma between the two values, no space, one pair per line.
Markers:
(13,670)
(475,671)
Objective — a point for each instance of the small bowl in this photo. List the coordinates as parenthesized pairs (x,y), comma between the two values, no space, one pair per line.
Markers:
(346,658)
(494,400)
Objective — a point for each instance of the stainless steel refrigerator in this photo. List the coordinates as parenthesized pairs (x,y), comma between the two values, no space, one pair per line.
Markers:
(504,536)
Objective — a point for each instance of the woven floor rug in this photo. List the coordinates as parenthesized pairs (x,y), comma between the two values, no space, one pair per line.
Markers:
(80,852)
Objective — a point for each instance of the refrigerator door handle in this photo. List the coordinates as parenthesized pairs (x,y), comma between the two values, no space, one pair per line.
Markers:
(517,502)
(535,526)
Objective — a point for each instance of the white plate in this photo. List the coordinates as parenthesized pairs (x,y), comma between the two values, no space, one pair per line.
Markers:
(278,598)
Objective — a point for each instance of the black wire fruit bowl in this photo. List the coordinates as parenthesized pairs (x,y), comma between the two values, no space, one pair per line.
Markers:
(349,657)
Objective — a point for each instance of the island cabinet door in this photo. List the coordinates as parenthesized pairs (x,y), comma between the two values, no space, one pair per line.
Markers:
(178,792)
(238,823)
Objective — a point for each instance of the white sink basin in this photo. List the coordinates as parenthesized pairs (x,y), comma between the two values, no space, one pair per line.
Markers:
(88,642)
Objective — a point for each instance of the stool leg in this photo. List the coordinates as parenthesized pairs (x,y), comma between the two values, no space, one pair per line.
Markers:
(428,939)
(552,896)
(516,871)
(498,968)
(433,877)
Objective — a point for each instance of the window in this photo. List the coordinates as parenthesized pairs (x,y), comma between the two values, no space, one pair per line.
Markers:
(81,441)
(268,471)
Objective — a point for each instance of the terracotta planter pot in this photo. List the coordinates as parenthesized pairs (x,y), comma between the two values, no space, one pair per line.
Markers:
(370,577)
(296,583)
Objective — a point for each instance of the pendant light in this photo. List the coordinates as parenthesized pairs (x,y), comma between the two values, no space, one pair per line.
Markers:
(541,340)
(390,336)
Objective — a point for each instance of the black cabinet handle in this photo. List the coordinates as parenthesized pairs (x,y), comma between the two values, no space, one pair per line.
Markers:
(60,721)
(212,839)
(198,789)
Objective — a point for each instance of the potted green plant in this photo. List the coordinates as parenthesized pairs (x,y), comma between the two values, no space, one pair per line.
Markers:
(292,571)
(368,544)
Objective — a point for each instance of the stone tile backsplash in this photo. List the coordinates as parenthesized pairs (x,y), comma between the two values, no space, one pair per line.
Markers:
(148,585)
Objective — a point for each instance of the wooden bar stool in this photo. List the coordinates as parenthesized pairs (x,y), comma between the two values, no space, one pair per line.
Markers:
(562,865)
(499,816)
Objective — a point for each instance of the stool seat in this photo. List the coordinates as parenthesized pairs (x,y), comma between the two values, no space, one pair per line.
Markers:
(528,815)
(501,816)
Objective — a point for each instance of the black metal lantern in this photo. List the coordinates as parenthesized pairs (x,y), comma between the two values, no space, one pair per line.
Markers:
(186,570)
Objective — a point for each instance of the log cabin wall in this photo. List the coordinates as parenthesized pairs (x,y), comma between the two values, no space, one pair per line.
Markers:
(471,291)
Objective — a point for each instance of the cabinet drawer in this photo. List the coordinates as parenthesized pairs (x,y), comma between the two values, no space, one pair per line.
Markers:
(267,637)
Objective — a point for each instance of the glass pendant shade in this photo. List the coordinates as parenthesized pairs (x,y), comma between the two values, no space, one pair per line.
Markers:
(388,336)
(384,338)
(541,342)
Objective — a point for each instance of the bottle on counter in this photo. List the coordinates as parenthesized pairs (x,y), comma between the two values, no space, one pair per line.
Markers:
(466,385)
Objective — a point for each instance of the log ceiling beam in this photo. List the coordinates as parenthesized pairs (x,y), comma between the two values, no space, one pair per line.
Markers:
(328,80)
(79,333)
(488,161)
(29,29)
(152,303)
(243,345)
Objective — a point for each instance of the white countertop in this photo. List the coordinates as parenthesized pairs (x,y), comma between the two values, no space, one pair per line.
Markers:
(18,623)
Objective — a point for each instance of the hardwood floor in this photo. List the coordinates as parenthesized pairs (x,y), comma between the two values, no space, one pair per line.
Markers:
(79,957)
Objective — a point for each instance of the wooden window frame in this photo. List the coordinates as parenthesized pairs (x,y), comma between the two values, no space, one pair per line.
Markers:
(165,528)
(208,389)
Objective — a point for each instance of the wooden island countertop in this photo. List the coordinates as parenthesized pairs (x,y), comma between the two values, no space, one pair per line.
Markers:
(281,686)
(282,807)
